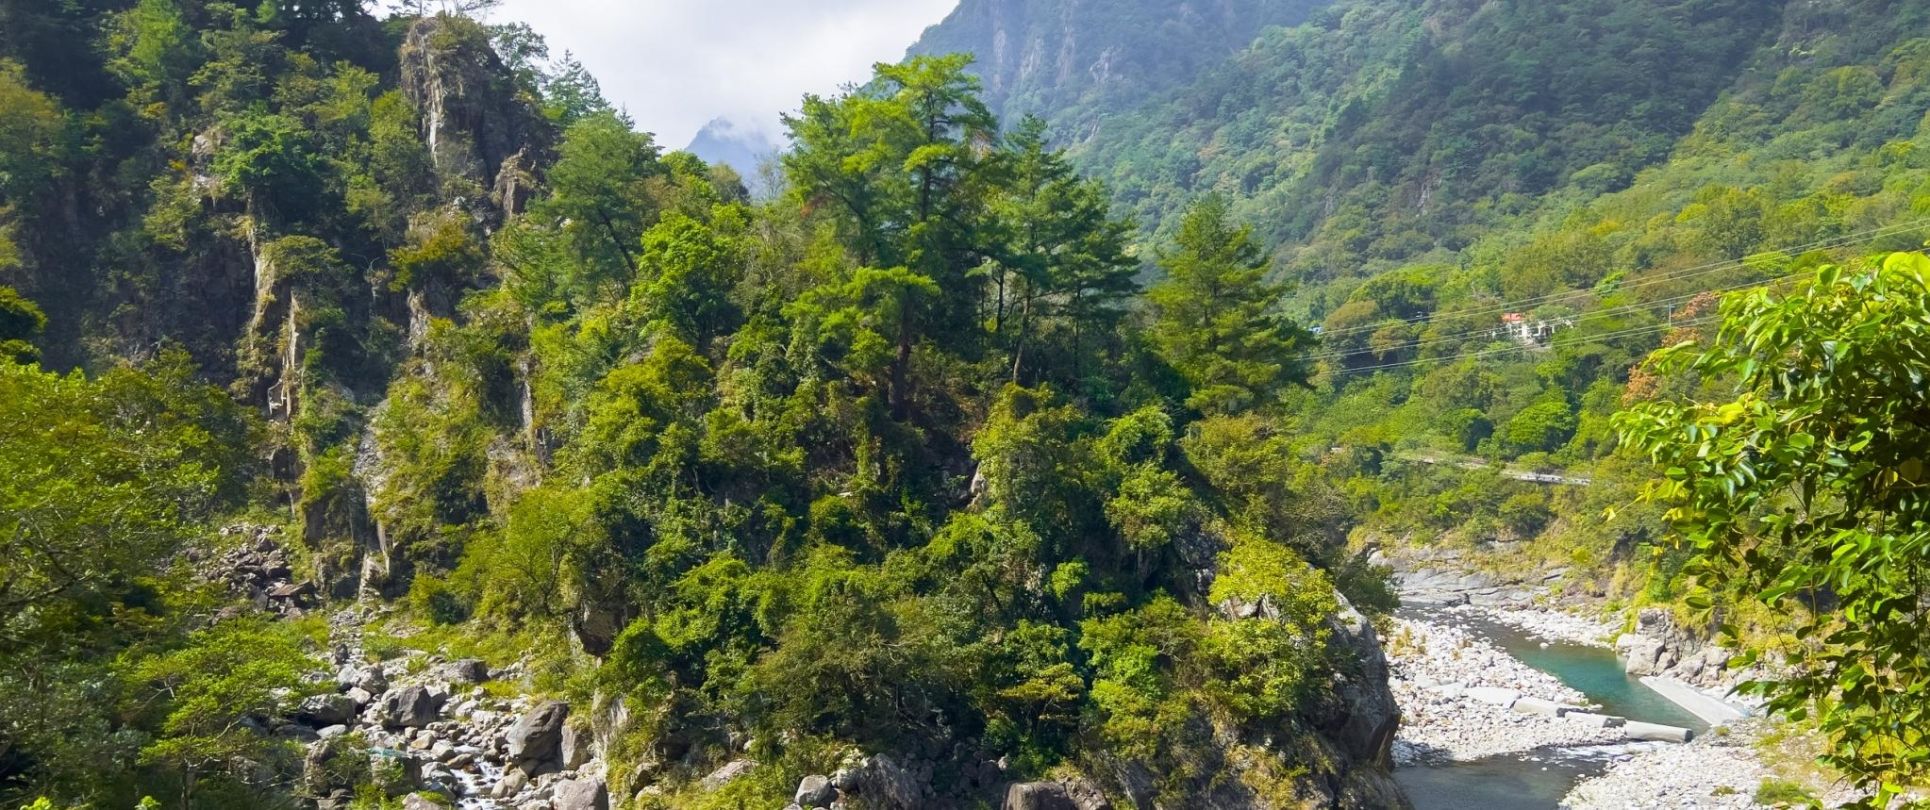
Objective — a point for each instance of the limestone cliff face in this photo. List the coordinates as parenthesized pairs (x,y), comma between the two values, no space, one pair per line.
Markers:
(479,128)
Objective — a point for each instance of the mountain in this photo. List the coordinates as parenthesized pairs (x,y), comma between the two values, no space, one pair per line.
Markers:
(744,149)
(1076,62)
(1496,212)
(1383,131)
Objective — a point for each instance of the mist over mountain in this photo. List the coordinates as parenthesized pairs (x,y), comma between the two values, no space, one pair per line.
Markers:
(745,149)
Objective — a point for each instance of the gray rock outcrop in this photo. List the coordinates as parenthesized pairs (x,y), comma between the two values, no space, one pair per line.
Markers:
(1659,646)
(476,125)
(815,791)
(536,740)
(580,794)
(407,707)
(728,773)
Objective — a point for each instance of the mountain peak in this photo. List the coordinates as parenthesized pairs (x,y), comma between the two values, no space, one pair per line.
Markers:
(743,147)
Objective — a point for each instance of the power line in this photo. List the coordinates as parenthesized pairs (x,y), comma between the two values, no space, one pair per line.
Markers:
(1845,240)
(1663,327)
(1842,241)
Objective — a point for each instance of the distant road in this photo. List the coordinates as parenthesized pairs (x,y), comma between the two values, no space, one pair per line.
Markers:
(1517,474)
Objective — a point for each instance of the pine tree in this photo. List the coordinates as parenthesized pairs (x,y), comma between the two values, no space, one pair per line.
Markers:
(1216,316)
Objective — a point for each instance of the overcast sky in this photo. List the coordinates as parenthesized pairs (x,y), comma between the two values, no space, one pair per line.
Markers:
(676,64)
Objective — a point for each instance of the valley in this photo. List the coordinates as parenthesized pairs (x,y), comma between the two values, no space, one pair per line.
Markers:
(1113,403)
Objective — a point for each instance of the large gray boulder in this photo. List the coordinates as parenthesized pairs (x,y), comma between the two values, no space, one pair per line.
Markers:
(330,765)
(580,794)
(1086,795)
(368,678)
(883,782)
(727,774)
(467,670)
(407,707)
(1038,796)
(815,791)
(321,711)
(417,801)
(536,739)
(576,749)
(1644,655)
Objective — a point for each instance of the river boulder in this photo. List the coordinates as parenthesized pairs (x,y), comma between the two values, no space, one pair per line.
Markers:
(536,739)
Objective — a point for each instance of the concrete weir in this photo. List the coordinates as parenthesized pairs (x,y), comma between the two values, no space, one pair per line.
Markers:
(1656,732)
(1711,710)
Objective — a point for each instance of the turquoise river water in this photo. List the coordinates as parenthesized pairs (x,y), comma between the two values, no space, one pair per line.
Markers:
(1538,779)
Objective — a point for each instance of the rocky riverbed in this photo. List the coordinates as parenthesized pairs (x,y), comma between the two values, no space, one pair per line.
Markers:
(421,722)
(1463,699)
(1551,625)
(1715,772)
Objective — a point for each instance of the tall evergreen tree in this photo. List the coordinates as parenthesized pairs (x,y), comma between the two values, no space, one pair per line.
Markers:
(1217,318)
(1063,270)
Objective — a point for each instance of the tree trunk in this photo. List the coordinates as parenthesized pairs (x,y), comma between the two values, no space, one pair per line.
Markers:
(901,366)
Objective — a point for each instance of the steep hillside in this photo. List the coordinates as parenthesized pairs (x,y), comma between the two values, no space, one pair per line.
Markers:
(1422,168)
(385,416)
(1078,62)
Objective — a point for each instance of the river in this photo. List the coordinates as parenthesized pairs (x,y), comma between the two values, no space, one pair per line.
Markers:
(1537,780)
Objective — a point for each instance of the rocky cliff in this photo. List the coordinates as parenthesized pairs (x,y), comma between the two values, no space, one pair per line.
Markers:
(487,140)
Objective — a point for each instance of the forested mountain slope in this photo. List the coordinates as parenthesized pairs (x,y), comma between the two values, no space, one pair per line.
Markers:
(1496,209)
(335,346)
(1078,62)
(339,351)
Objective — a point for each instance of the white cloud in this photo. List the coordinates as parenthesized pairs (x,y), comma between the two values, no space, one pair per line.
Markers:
(675,65)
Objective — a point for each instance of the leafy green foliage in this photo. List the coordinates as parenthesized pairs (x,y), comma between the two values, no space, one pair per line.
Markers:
(207,689)
(20,323)
(108,481)
(107,477)
(1216,318)
(1803,493)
